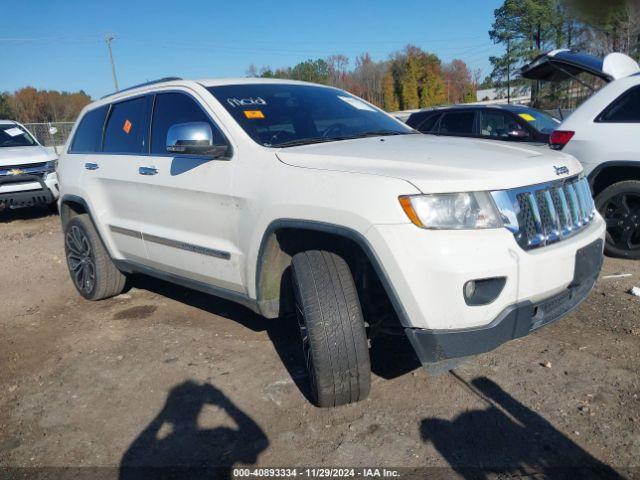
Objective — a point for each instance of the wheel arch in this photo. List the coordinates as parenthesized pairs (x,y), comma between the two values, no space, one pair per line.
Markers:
(71,206)
(608,173)
(274,259)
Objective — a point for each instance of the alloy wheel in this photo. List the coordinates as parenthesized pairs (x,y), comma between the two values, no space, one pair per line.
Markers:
(80,259)
(622,214)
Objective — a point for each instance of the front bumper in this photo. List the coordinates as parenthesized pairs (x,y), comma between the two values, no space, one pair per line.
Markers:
(28,190)
(425,271)
(513,322)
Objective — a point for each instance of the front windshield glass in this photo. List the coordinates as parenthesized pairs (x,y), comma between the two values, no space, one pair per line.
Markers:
(541,121)
(12,135)
(285,115)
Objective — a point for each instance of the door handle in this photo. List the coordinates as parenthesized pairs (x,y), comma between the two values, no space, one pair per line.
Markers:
(91,166)
(147,170)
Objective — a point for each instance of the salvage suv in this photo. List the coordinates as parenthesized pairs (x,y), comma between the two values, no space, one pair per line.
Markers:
(603,133)
(27,169)
(299,199)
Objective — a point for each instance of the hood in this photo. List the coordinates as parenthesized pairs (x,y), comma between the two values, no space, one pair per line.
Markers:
(559,65)
(24,155)
(437,164)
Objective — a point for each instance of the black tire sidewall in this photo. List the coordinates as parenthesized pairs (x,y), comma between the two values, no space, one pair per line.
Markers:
(627,186)
(297,296)
(338,346)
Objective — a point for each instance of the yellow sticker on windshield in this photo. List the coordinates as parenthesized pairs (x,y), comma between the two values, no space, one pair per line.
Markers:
(527,117)
(253,114)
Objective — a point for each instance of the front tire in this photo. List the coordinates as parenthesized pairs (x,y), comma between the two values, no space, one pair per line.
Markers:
(93,273)
(619,205)
(332,327)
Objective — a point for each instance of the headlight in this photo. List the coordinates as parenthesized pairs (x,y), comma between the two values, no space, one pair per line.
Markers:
(51,165)
(452,211)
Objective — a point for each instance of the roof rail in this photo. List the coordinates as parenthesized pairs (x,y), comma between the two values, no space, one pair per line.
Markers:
(165,79)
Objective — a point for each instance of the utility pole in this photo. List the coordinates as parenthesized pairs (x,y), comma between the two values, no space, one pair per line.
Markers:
(109,39)
(508,70)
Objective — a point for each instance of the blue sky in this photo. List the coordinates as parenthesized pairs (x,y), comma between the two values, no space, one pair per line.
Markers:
(55,44)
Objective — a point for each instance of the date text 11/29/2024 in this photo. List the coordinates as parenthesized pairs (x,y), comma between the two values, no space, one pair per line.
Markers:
(309,472)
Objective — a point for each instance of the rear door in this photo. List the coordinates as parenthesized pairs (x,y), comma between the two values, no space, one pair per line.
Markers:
(460,123)
(110,176)
(187,209)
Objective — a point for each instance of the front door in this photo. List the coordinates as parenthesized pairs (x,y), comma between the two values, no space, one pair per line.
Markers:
(188,212)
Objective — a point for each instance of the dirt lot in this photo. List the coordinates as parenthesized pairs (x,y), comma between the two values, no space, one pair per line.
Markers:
(165,376)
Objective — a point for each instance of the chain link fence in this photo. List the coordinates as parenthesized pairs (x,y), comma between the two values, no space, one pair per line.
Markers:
(51,134)
(560,113)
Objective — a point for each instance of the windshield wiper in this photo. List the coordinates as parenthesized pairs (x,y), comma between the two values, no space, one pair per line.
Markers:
(379,133)
(303,141)
(308,141)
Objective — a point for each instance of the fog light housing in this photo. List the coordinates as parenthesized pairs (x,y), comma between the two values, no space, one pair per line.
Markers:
(470,289)
(483,291)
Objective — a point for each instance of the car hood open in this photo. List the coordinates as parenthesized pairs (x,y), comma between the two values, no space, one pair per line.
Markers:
(559,65)
(437,164)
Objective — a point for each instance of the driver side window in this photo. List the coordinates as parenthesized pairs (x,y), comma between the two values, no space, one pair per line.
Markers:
(176,108)
(498,125)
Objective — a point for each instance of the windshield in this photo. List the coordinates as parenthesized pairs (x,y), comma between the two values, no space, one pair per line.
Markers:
(12,135)
(541,121)
(285,115)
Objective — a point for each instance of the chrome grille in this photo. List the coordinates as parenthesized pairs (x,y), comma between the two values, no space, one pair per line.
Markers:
(29,168)
(544,214)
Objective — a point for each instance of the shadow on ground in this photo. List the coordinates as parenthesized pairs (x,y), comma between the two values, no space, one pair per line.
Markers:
(283,332)
(29,213)
(391,356)
(173,445)
(508,439)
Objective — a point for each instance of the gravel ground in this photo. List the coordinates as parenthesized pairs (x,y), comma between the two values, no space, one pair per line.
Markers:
(163,376)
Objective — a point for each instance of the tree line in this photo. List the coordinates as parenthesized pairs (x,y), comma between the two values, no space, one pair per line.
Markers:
(414,78)
(411,78)
(30,105)
(527,28)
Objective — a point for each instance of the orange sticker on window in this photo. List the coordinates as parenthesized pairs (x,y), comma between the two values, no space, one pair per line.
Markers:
(127,126)
(253,114)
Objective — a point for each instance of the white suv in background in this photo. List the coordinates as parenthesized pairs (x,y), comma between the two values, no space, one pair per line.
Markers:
(604,134)
(27,169)
(300,199)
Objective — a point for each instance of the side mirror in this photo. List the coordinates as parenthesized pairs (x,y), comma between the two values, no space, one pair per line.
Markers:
(193,138)
(518,134)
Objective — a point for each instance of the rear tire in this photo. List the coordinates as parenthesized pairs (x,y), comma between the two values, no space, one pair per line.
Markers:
(332,328)
(619,204)
(93,273)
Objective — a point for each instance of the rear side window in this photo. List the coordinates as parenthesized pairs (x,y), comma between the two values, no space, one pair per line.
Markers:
(128,127)
(457,123)
(88,136)
(428,125)
(626,109)
(172,109)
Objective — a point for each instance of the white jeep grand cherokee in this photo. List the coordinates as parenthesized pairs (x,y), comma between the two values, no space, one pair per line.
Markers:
(293,198)
(27,169)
